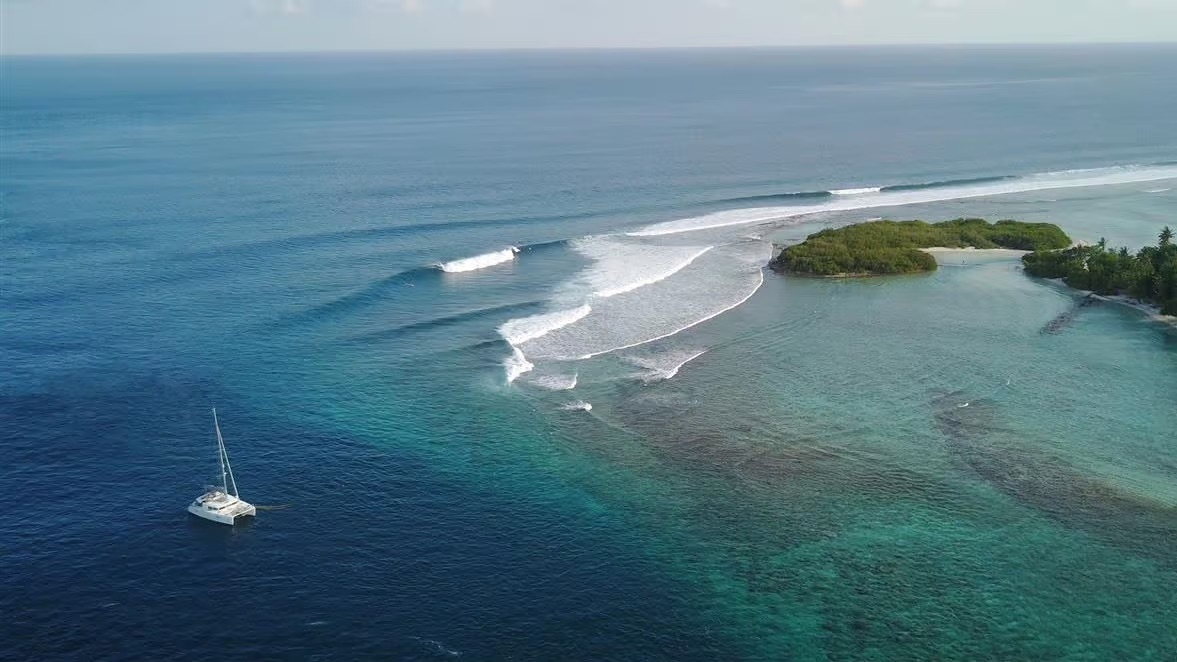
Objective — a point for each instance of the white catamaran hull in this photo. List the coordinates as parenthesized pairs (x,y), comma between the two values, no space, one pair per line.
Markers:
(227,515)
(222,505)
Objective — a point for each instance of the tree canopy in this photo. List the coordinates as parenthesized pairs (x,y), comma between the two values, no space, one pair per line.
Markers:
(892,247)
(1150,275)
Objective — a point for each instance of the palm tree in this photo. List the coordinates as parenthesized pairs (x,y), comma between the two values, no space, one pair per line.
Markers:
(1166,236)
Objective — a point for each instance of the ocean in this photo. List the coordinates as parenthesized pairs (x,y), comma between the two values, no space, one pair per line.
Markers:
(495,353)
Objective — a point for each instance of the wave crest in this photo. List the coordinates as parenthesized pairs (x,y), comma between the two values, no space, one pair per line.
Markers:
(523,329)
(910,194)
(479,261)
(664,366)
(621,266)
(516,364)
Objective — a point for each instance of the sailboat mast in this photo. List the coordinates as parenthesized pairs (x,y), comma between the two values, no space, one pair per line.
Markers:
(226,468)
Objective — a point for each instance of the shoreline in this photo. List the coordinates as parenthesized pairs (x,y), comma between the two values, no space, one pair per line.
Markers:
(1013,252)
(1152,311)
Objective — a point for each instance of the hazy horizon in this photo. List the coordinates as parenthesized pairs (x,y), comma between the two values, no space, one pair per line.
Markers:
(78,27)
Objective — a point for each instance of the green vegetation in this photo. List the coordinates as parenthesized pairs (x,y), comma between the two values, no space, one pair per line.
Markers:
(1150,275)
(892,247)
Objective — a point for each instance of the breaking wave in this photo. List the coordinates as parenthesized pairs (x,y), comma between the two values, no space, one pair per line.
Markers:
(479,261)
(516,364)
(653,284)
(521,330)
(579,405)
(619,266)
(971,181)
(724,278)
(800,195)
(660,367)
(908,194)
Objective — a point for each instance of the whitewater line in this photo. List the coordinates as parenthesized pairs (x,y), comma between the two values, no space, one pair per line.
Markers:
(524,329)
(856,191)
(516,364)
(675,369)
(478,261)
(622,289)
(518,331)
(556,382)
(672,333)
(898,199)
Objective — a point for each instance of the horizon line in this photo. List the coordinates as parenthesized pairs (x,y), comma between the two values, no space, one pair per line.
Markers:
(579,49)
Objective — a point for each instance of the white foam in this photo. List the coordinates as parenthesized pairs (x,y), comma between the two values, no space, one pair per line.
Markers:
(523,329)
(516,364)
(621,265)
(479,261)
(555,382)
(579,405)
(716,283)
(1159,190)
(1040,182)
(665,366)
(759,282)
(857,191)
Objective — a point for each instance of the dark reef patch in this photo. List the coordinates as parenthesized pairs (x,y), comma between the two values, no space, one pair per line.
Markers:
(1052,486)
(1066,318)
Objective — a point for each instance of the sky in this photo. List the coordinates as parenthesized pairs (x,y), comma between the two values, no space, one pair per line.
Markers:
(160,26)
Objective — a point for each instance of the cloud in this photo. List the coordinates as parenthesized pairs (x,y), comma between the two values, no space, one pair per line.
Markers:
(476,6)
(280,7)
(291,7)
(853,4)
(419,6)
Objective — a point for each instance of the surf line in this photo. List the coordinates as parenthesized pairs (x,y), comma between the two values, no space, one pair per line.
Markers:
(896,197)
(638,284)
(672,333)
(519,331)
(478,261)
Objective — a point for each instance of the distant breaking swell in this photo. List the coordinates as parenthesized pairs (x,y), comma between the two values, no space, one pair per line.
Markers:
(621,264)
(850,199)
(820,195)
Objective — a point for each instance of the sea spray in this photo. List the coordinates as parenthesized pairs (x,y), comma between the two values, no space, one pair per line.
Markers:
(516,364)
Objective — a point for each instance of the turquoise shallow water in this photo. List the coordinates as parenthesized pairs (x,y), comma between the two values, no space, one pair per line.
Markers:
(771,468)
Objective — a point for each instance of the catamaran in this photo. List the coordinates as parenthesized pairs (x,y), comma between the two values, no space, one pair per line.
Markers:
(222,504)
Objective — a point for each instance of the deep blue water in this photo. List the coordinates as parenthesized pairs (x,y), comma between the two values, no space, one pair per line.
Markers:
(261,234)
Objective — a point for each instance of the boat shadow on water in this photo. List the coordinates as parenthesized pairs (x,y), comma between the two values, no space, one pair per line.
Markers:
(1034,477)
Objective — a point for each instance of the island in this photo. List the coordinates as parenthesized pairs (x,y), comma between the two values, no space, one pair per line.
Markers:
(1148,277)
(879,248)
